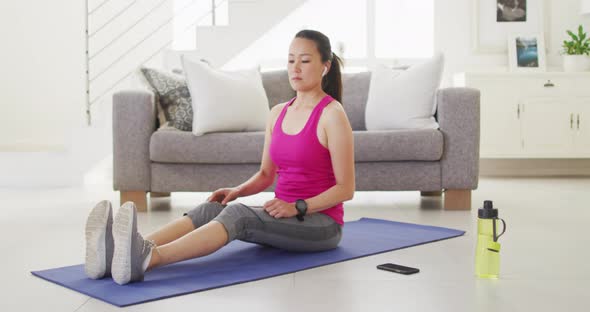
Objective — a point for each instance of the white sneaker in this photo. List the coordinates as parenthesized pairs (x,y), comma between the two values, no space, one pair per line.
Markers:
(131,249)
(99,241)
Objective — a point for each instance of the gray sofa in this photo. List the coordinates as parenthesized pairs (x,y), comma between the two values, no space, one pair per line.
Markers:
(435,162)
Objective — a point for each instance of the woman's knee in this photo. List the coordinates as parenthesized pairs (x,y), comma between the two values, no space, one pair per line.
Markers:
(235,209)
(238,219)
(204,213)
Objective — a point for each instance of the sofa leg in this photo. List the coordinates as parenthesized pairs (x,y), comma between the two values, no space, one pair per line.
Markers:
(457,200)
(159,194)
(430,193)
(137,197)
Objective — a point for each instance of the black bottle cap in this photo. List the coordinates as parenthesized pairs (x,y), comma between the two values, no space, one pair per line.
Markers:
(488,211)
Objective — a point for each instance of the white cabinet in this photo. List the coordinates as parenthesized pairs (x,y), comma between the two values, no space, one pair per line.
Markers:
(582,125)
(532,115)
(500,125)
(546,129)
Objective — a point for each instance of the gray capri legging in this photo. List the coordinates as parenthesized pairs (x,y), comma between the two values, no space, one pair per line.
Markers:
(318,232)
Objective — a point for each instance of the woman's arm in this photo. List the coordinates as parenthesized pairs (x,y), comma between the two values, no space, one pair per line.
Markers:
(341,146)
(266,175)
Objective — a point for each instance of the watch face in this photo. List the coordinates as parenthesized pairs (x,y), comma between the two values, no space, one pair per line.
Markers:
(300,205)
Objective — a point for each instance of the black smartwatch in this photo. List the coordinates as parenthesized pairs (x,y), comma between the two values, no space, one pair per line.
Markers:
(301,207)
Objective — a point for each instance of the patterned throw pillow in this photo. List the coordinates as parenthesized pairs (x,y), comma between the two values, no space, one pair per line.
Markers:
(172,98)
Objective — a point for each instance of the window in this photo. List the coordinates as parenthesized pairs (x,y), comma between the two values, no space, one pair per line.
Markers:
(404,28)
(190,13)
(363,32)
(342,21)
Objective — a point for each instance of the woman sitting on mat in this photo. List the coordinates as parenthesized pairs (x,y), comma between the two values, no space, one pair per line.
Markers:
(308,143)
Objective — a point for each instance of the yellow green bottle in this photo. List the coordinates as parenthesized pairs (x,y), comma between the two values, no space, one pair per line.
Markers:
(487,252)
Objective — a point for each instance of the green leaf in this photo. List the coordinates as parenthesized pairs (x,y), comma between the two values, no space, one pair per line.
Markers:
(580,43)
(569,32)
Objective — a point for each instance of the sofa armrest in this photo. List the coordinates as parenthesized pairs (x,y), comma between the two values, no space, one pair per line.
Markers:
(134,121)
(458,118)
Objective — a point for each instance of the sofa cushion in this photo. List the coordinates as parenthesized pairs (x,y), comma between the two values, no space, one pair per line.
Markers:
(355,90)
(277,87)
(401,99)
(225,101)
(398,145)
(173,100)
(174,146)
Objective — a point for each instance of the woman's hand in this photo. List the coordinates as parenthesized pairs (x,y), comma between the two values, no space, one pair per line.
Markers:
(280,209)
(224,195)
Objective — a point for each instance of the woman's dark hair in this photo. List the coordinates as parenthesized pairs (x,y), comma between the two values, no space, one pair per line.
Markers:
(332,81)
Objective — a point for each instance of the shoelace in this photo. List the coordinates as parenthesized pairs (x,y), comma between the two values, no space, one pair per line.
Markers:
(147,246)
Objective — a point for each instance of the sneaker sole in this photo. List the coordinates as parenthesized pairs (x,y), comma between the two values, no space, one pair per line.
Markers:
(123,229)
(96,231)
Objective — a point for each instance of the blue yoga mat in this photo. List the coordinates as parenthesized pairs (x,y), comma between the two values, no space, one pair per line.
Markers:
(241,262)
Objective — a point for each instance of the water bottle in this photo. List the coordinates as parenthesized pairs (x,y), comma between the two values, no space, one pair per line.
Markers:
(487,252)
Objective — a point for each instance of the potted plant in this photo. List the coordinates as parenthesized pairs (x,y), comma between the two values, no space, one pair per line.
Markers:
(576,52)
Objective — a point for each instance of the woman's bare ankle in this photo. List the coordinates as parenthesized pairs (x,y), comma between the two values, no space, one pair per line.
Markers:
(155,260)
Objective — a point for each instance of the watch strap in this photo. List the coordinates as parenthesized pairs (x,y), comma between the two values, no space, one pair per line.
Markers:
(300,213)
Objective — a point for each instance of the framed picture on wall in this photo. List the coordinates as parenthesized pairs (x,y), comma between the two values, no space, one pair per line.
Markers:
(495,20)
(526,52)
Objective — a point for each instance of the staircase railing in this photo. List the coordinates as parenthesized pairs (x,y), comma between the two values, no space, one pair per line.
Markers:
(92,99)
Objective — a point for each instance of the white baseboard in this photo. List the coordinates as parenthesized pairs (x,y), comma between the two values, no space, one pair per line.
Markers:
(56,168)
(38,170)
(534,167)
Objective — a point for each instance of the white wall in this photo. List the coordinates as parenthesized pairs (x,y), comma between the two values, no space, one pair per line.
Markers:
(44,136)
(42,89)
(42,81)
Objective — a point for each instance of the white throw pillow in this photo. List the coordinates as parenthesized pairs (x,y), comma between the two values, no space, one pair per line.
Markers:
(225,101)
(404,99)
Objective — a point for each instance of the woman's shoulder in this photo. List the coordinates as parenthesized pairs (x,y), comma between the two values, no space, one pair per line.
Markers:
(334,105)
(275,110)
(279,106)
(334,110)
(333,116)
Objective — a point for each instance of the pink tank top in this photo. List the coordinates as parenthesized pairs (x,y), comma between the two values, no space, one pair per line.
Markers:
(304,164)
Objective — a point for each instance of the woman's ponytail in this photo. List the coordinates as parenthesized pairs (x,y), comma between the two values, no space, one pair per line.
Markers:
(332,81)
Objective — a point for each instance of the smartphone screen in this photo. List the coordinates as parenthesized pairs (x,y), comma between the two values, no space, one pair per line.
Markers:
(397,268)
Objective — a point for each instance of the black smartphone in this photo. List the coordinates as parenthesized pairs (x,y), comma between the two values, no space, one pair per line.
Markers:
(397,268)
